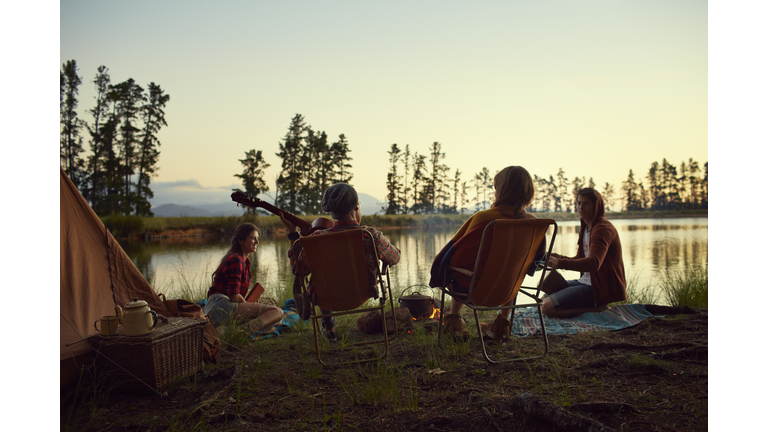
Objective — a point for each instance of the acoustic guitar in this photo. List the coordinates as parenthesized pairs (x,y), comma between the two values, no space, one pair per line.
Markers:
(305,227)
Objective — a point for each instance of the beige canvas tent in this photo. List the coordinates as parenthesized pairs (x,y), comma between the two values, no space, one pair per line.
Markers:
(95,275)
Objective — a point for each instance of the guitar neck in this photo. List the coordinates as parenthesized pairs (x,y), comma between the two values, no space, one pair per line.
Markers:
(244,199)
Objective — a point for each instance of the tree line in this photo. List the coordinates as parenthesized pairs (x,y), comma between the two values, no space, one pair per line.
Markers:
(419,183)
(309,165)
(423,184)
(116,176)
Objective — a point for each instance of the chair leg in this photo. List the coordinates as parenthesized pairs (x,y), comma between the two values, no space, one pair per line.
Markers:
(442,317)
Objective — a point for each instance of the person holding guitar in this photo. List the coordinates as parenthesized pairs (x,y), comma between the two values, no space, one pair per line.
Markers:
(231,280)
(341,201)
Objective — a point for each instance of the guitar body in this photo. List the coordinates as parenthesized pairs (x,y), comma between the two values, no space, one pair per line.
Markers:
(320,224)
(304,227)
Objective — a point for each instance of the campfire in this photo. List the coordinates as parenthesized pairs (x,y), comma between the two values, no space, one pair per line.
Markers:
(429,320)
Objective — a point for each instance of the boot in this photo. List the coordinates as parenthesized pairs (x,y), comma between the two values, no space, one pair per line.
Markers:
(498,330)
(454,326)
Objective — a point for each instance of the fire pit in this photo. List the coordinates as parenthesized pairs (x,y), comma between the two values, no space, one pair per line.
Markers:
(420,306)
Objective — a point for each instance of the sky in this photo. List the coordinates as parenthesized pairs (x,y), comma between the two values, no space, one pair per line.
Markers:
(595,87)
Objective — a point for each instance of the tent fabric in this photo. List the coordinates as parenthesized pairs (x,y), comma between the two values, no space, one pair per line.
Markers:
(95,275)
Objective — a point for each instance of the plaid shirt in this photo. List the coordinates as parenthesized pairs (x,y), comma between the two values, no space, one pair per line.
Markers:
(387,252)
(232,277)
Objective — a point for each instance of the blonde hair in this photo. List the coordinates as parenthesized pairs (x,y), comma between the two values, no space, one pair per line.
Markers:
(514,187)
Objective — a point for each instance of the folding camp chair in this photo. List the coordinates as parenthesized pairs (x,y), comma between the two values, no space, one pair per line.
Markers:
(339,274)
(498,275)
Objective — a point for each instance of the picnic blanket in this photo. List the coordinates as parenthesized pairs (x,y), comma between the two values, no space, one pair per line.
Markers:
(290,319)
(621,316)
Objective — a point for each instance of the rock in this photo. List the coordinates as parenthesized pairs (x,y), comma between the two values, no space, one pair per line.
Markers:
(370,322)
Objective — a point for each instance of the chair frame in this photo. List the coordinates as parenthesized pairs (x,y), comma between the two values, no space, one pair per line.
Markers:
(474,274)
(382,275)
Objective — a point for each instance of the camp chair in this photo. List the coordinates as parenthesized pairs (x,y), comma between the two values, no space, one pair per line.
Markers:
(339,274)
(514,243)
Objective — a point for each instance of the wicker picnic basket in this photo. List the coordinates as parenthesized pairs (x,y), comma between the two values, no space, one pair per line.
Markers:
(171,351)
(553,283)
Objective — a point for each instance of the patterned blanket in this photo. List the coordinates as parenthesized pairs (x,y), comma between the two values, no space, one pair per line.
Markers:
(526,320)
(290,319)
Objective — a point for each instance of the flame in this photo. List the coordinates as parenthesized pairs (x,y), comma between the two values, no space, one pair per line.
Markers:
(435,315)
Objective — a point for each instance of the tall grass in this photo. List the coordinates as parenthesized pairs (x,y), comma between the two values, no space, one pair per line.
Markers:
(185,284)
(638,292)
(689,287)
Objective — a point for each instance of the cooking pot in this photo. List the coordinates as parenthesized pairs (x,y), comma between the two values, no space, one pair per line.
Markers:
(419,305)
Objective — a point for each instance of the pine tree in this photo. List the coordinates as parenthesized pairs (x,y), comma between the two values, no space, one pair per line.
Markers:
(128,96)
(405,196)
(253,175)
(290,179)
(438,179)
(394,188)
(420,184)
(153,115)
(316,164)
(561,200)
(342,168)
(71,142)
(96,188)
(458,201)
(578,184)
(608,193)
(483,184)
(631,196)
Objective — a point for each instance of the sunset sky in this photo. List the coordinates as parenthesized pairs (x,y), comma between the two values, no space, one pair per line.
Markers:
(597,87)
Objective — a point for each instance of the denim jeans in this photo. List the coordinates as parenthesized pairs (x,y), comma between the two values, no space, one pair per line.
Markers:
(576,296)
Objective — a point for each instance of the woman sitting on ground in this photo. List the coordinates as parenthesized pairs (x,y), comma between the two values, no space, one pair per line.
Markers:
(514,191)
(226,298)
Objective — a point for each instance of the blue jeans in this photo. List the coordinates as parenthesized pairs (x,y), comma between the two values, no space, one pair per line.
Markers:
(219,309)
(576,296)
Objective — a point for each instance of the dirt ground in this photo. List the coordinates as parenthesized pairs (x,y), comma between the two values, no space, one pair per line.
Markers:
(651,377)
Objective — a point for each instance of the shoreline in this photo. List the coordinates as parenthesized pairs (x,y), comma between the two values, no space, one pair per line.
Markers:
(208,231)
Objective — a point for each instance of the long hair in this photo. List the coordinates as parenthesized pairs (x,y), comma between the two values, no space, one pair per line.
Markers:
(241,233)
(514,187)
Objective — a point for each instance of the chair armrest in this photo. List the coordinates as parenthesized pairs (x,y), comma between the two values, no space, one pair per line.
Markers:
(462,271)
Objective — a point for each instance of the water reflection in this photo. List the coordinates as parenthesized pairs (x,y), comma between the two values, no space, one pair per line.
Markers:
(650,247)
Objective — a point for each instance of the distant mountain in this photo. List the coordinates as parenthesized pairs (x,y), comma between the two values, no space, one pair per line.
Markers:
(369,204)
(172,210)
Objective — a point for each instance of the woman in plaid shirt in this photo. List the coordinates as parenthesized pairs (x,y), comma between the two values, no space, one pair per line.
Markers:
(231,281)
(341,201)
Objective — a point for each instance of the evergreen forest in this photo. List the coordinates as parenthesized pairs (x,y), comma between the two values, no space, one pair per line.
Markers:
(123,125)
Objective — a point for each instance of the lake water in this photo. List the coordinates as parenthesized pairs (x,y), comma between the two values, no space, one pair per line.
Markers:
(650,246)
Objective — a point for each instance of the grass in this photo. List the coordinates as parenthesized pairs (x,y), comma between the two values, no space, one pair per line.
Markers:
(419,380)
(687,288)
(637,292)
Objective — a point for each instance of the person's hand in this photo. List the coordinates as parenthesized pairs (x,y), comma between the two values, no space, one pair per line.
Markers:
(553,262)
(237,298)
(288,224)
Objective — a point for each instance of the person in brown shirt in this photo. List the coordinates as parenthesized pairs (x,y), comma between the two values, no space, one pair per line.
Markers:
(598,259)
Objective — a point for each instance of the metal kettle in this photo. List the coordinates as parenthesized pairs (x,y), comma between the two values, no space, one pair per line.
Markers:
(137,318)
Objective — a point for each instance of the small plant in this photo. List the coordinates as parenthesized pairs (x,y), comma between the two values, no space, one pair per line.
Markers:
(687,288)
(640,293)
(647,362)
